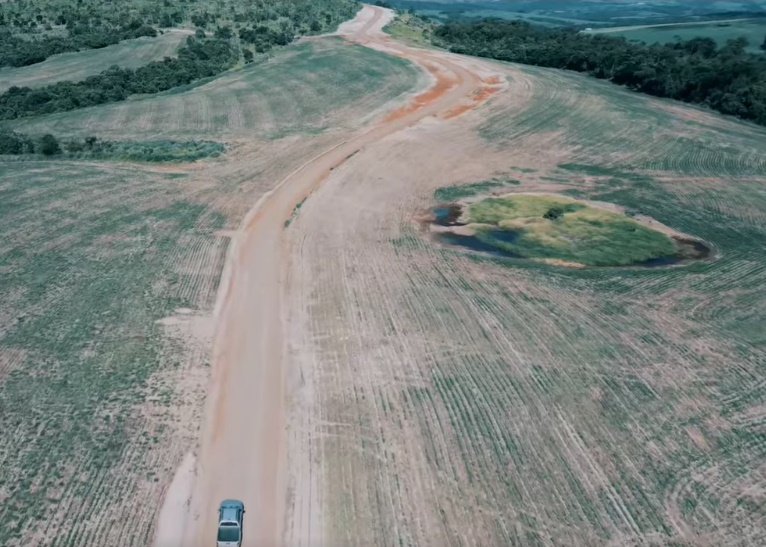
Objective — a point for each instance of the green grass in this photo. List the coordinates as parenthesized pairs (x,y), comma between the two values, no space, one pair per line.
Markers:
(307,88)
(451,193)
(583,234)
(79,65)
(81,300)
(410,28)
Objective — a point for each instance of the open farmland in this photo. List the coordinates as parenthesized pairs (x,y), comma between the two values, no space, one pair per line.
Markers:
(754,30)
(79,65)
(456,398)
(284,94)
(371,385)
(585,13)
(109,274)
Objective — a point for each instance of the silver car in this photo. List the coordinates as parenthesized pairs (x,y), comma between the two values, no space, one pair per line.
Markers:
(230,514)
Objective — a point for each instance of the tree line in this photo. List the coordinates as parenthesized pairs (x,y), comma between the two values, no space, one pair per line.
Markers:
(200,57)
(727,79)
(14,143)
(16,51)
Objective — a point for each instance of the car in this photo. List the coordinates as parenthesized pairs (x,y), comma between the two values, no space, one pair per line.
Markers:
(230,515)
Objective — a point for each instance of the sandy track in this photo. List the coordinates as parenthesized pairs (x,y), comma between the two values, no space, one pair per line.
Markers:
(242,451)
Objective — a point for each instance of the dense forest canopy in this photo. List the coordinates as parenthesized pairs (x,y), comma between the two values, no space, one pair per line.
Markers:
(33,30)
(727,79)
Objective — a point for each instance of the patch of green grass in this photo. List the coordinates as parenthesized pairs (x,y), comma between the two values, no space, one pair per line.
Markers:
(408,27)
(451,193)
(580,233)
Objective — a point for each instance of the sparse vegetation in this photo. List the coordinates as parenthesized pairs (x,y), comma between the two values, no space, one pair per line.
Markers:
(411,27)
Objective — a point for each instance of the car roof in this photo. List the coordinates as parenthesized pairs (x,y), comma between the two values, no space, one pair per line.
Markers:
(232,504)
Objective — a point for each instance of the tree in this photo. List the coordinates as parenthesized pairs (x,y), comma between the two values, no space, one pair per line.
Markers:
(48,145)
(553,213)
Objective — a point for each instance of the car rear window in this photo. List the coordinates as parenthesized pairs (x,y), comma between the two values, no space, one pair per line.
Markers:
(228,531)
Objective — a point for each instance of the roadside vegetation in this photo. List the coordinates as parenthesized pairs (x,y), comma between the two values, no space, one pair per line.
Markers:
(18,144)
(728,79)
(410,27)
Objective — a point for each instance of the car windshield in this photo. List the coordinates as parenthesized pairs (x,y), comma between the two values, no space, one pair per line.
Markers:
(228,531)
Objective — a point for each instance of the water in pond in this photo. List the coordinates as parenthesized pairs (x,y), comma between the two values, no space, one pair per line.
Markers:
(503,236)
(473,243)
(448,215)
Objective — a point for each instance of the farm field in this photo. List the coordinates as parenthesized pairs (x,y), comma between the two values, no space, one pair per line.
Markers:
(354,380)
(457,398)
(588,13)
(109,276)
(754,30)
(78,65)
(254,97)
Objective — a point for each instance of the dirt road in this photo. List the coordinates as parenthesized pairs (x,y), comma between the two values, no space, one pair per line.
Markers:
(242,451)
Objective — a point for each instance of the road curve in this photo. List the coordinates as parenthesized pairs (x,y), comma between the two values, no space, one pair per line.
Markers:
(242,446)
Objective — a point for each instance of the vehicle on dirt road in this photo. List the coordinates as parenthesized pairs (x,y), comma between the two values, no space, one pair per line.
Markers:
(230,514)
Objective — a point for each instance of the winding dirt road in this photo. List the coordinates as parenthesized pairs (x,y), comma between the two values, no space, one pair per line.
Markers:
(242,450)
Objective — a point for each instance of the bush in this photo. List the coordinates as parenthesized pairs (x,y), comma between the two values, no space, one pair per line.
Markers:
(14,143)
(48,145)
(553,213)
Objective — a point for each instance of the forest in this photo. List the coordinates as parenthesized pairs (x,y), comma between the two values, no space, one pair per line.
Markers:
(32,31)
(727,79)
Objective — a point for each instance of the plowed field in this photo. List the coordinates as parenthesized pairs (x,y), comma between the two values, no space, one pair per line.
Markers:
(454,398)
(108,277)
